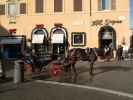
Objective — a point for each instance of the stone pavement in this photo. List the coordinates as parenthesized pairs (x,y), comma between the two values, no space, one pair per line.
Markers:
(40,91)
(116,76)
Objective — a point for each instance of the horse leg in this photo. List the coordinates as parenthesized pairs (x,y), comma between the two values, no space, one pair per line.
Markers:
(74,69)
(68,68)
(91,68)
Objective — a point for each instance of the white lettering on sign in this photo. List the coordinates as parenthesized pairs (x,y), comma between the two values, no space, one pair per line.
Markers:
(105,22)
(57,38)
(37,38)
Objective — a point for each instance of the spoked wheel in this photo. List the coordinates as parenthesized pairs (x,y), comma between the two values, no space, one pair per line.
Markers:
(55,71)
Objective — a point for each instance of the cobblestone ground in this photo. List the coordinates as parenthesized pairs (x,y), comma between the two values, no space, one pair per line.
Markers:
(40,91)
(116,76)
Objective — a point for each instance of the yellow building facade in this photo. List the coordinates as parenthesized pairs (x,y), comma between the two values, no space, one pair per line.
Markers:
(96,24)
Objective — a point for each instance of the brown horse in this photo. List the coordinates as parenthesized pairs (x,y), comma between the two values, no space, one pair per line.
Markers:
(79,54)
(70,61)
(92,57)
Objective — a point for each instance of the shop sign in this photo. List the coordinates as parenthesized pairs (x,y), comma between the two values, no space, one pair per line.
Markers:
(37,38)
(78,38)
(105,22)
(57,38)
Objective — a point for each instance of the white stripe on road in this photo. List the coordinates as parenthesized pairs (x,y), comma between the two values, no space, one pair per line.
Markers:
(89,88)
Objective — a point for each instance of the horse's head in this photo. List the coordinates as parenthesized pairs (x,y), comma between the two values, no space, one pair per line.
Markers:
(72,53)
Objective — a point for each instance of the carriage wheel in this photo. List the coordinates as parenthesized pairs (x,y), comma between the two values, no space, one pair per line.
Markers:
(55,71)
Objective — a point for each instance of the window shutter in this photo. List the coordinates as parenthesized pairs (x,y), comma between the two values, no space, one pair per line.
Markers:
(58,5)
(77,5)
(23,8)
(99,5)
(39,6)
(2,9)
(113,4)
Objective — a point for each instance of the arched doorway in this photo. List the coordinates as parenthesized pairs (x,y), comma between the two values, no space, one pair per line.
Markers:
(59,40)
(107,37)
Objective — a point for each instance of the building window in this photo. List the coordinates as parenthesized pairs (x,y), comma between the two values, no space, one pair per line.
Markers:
(77,5)
(58,5)
(106,4)
(2,9)
(39,6)
(12,9)
(22,8)
(78,39)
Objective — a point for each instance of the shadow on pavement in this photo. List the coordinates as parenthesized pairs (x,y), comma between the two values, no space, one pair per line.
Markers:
(70,79)
(8,65)
(8,89)
(97,70)
(82,69)
(104,69)
(5,80)
(40,76)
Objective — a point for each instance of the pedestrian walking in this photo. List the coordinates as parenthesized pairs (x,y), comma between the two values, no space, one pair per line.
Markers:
(92,57)
(119,54)
(125,51)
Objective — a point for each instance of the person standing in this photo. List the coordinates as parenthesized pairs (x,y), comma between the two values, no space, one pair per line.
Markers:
(107,53)
(119,53)
(125,51)
(106,49)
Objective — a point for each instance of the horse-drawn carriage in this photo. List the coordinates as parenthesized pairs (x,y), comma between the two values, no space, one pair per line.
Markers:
(64,64)
(56,67)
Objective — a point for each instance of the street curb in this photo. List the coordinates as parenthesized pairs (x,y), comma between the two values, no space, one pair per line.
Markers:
(109,91)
